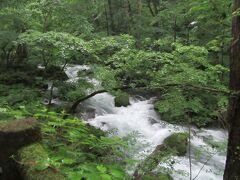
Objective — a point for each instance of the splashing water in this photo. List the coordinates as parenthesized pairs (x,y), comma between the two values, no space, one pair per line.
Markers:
(141,117)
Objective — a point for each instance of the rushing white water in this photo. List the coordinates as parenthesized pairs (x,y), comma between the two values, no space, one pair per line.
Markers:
(141,117)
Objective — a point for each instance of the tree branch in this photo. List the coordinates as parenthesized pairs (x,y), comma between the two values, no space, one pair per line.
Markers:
(162,87)
(77,102)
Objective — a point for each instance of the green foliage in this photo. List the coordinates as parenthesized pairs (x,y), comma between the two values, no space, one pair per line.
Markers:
(176,49)
(185,81)
(78,151)
(62,47)
(36,164)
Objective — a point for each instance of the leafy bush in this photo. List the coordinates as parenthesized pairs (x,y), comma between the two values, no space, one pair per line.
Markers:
(81,152)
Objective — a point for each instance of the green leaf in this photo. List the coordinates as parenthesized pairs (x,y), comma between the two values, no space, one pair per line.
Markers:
(101,168)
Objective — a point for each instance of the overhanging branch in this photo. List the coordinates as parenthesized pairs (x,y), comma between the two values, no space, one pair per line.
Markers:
(160,88)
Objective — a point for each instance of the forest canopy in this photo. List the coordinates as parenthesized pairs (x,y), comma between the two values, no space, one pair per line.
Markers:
(57,54)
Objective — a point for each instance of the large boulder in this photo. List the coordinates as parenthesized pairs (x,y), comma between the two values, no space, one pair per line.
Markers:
(122,100)
(177,142)
(151,162)
(13,136)
(21,154)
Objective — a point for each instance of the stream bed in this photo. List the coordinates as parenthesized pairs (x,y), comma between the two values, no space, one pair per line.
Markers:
(208,152)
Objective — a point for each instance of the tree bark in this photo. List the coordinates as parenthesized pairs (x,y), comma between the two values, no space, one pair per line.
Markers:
(111,17)
(232,169)
(107,19)
(77,102)
(150,8)
(175,29)
(139,12)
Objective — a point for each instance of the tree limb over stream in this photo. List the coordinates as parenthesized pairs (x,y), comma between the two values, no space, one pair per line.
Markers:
(160,88)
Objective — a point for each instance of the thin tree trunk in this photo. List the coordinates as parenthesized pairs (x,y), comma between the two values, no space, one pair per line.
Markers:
(128,16)
(175,29)
(150,8)
(111,17)
(139,9)
(107,20)
(232,169)
(189,152)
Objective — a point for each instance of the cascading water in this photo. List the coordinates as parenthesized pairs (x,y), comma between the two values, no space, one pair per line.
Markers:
(141,117)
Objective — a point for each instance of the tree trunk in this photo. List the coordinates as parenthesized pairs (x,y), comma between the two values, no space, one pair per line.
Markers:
(111,17)
(150,8)
(175,29)
(128,11)
(107,20)
(139,12)
(232,169)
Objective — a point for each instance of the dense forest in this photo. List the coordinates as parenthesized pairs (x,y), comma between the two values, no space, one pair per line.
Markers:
(119,89)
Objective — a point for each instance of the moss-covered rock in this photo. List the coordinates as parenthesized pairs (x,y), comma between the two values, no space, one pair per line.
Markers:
(19,133)
(34,164)
(13,136)
(158,176)
(122,100)
(177,142)
(160,154)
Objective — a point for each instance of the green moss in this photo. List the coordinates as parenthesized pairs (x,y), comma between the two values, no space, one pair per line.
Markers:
(34,164)
(16,126)
(160,154)
(122,100)
(177,142)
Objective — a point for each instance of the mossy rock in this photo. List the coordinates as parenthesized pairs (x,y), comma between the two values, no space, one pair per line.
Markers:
(122,100)
(158,176)
(13,136)
(160,154)
(177,142)
(34,164)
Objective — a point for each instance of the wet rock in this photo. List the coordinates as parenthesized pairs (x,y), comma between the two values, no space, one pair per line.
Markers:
(151,162)
(122,100)
(89,113)
(153,121)
(177,142)
(85,112)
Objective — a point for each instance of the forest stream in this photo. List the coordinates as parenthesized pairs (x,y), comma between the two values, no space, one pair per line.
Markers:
(140,118)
